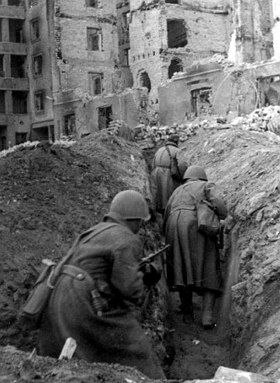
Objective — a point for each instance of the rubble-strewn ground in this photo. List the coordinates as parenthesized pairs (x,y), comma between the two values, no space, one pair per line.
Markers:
(51,193)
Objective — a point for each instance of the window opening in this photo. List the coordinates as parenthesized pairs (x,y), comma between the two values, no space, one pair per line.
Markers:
(16,30)
(104,117)
(19,101)
(94,39)
(35,29)
(21,138)
(177,33)
(145,81)
(18,66)
(201,100)
(2,72)
(96,83)
(92,3)
(39,101)
(126,57)
(37,65)
(2,101)
(69,124)
(172,1)
(3,137)
(1,38)
(175,66)
(33,3)
(15,2)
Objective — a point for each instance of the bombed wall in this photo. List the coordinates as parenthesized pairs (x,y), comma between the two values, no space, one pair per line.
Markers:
(169,37)
(254,39)
(87,45)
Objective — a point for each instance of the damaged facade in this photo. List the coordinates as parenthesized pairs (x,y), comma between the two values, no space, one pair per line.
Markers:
(70,67)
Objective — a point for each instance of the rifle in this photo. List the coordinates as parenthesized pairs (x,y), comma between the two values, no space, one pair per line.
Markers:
(150,257)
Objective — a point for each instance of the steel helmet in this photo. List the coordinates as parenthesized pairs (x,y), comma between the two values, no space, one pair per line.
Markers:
(130,204)
(195,172)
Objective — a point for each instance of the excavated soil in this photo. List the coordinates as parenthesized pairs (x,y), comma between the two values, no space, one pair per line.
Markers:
(50,193)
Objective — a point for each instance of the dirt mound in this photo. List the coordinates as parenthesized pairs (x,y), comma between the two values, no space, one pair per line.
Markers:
(246,164)
(48,195)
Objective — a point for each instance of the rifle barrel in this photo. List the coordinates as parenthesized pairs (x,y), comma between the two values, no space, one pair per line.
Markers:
(153,255)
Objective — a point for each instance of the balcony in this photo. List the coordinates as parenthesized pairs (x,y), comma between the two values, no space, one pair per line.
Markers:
(13,48)
(12,12)
(9,83)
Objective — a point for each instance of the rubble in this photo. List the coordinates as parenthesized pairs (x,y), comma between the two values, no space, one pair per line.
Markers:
(261,120)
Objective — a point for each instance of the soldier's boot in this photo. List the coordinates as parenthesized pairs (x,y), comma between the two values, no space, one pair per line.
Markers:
(186,304)
(209,299)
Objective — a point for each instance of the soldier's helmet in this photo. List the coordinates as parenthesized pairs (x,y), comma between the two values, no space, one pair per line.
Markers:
(195,172)
(173,138)
(130,204)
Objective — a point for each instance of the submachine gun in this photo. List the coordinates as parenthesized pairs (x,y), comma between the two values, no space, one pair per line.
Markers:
(151,257)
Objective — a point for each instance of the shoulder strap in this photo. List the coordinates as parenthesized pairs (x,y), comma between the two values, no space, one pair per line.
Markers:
(91,233)
(168,151)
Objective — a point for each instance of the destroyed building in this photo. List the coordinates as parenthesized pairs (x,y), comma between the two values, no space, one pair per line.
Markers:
(70,67)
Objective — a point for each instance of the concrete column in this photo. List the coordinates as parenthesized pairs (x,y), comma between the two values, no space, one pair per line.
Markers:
(7,65)
(5,30)
(8,102)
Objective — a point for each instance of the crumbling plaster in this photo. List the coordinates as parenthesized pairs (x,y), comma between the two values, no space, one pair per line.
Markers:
(76,59)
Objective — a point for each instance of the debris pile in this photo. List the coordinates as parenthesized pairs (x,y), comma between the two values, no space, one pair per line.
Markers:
(121,129)
(263,119)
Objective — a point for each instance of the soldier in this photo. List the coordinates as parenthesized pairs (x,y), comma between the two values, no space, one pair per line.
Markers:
(193,264)
(95,297)
(163,180)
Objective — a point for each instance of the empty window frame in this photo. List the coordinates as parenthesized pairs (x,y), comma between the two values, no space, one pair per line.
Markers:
(15,2)
(96,83)
(34,29)
(175,66)
(69,124)
(94,39)
(39,104)
(145,81)
(16,31)
(201,101)
(33,3)
(2,101)
(92,3)
(172,1)
(19,101)
(126,57)
(176,33)
(2,71)
(37,65)
(18,66)
(21,138)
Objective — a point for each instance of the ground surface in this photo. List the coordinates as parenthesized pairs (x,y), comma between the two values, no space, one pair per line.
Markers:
(50,194)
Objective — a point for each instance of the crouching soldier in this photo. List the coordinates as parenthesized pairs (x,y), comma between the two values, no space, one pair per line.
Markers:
(94,300)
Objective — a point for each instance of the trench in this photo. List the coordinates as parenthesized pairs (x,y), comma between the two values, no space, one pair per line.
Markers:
(193,352)
(189,352)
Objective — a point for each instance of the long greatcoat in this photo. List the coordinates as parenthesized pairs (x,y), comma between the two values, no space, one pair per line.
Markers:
(193,260)
(162,183)
(111,258)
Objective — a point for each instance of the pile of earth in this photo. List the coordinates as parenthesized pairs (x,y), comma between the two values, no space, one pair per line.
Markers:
(246,166)
(48,195)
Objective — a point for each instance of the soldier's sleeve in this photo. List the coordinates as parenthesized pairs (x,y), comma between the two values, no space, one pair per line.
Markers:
(126,277)
(214,195)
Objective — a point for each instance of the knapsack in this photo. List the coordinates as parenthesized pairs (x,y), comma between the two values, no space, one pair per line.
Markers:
(31,313)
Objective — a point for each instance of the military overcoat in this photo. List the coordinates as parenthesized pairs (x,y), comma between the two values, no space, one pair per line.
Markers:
(193,260)
(103,325)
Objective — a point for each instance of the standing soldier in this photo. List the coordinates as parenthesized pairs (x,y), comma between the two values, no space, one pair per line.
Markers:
(95,296)
(165,178)
(194,263)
